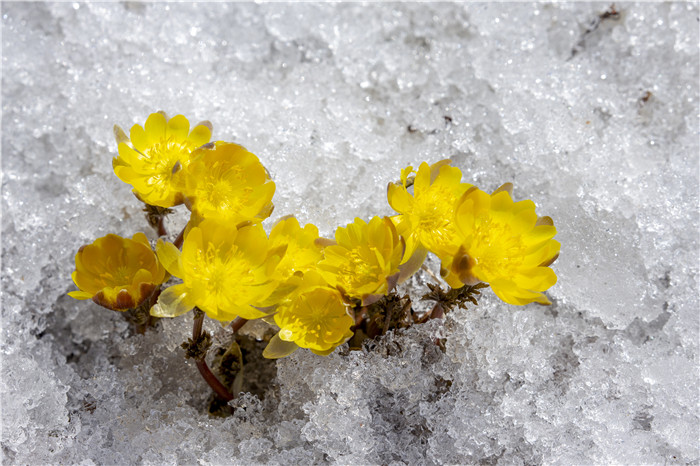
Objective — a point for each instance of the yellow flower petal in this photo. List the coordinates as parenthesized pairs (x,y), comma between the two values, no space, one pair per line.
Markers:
(172,302)
(422,181)
(80,295)
(142,239)
(86,280)
(138,138)
(169,256)
(398,197)
(509,293)
(253,244)
(155,128)
(278,348)
(323,353)
(200,135)
(178,127)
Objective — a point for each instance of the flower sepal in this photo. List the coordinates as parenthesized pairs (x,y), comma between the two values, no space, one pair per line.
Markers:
(413,264)
(173,302)
(124,300)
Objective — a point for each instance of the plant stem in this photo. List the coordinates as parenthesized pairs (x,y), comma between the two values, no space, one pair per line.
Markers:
(210,378)
(204,370)
(197,325)
(156,218)
(180,238)
(237,324)
(360,314)
(387,320)
(161,226)
(140,316)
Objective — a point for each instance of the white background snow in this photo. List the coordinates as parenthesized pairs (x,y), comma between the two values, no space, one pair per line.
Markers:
(595,120)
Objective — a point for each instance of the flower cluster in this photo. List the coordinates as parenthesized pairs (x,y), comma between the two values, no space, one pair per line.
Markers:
(318,292)
(479,237)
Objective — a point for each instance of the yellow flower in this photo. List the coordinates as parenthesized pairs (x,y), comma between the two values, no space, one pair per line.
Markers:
(117,273)
(364,263)
(226,182)
(303,252)
(425,218)
(156,154)
(503,243)
(226,272)
(315,317)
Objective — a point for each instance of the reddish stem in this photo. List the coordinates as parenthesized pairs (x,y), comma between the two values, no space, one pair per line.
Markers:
(438,312)
(360,316)
(141,329)
(161,226)
(237,324)
(213,382)
(207,374)
(180,238)
(197,325)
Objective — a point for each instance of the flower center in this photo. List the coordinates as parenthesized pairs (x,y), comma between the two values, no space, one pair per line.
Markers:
(161,159)
(223,191)
(498,250)
(359,269)
(115,276)
(317,317)
(432,214)
(224,277)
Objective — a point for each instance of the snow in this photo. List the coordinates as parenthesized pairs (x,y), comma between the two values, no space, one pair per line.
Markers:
(594,119)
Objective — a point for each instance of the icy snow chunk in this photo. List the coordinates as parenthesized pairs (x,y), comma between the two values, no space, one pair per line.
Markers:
(600,271)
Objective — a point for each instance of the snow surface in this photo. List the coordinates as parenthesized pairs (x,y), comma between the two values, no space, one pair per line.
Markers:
(594,119)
